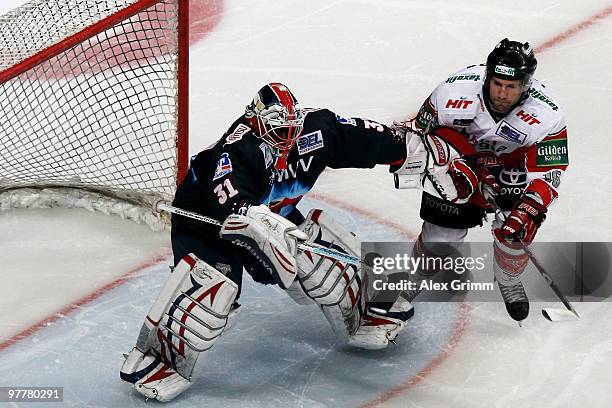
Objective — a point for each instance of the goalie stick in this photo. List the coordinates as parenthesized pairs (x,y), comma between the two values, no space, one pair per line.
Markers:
(319,250)
(552,314)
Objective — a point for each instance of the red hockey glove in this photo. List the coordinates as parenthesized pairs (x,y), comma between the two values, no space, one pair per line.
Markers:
(470,181)
(464,179)
(487,186)
(486,182)
(523,221)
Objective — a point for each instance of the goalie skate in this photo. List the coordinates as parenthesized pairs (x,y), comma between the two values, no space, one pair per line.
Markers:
(381,324)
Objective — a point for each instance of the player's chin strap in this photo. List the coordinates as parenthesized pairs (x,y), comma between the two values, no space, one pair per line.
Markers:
(319,250)
(553,315)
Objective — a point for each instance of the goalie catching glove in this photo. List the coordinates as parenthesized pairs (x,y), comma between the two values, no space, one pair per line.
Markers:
(438,161)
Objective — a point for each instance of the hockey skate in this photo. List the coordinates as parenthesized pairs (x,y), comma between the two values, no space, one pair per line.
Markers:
(380,324)
(516,300)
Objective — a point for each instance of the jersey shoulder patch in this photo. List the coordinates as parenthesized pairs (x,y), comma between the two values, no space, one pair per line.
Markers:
(237,134)
(473,73)
(224,166)
(538,94)
(310,142)
(552,152)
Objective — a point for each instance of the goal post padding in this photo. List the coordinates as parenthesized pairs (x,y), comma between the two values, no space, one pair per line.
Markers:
(93,97)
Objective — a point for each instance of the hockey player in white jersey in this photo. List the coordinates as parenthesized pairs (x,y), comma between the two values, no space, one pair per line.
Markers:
(517,145)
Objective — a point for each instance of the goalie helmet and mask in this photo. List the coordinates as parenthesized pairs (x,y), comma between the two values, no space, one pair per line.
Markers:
(277,118)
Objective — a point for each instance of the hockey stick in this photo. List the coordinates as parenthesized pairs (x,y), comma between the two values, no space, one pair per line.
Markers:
(552,314)
(316,249)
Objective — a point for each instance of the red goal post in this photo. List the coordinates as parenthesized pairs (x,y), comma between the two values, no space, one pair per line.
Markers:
(94,104)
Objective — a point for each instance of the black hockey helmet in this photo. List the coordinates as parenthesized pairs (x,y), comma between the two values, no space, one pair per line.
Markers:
(276,117)
(511,60)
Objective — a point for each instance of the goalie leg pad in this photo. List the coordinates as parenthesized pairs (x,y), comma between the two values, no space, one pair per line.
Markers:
(298,295)
(335,286)
(187,318)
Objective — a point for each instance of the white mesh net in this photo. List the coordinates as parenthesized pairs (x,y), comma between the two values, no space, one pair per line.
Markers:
(100,115)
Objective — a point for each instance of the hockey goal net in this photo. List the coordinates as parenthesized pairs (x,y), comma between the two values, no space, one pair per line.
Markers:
(93,104)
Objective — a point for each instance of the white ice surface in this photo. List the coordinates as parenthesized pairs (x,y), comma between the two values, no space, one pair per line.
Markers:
(377,59)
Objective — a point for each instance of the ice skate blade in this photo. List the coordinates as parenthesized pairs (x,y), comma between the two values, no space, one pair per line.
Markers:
(559,315)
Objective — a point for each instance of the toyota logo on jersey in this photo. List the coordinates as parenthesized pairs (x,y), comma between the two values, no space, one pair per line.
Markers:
(513,176)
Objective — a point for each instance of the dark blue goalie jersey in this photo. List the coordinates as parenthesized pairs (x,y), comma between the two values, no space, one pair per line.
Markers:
(238,171)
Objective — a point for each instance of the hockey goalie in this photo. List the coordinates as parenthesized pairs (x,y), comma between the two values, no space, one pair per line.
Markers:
(252,179)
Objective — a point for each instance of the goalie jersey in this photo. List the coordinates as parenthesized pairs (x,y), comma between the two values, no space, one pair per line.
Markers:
(238,170)
(527,146)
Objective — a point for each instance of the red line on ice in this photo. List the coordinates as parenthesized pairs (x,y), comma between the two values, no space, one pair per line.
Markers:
(78,303)
(575,29)
(458,332)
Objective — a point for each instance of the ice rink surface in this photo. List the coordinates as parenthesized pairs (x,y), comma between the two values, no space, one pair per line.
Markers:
(76,285)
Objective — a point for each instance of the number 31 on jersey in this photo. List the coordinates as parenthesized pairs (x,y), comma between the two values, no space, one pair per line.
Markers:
(225,190)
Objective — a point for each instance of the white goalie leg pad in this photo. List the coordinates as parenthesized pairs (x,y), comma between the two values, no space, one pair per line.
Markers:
(335,286)
(187,318)
(298,295)
(270,238)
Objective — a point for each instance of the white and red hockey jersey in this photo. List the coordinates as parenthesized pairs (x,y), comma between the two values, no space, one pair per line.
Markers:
(532,135)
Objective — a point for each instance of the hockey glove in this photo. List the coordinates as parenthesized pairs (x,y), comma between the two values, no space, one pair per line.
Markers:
(488,187)
(271,239)
(523,221)
(464,180)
